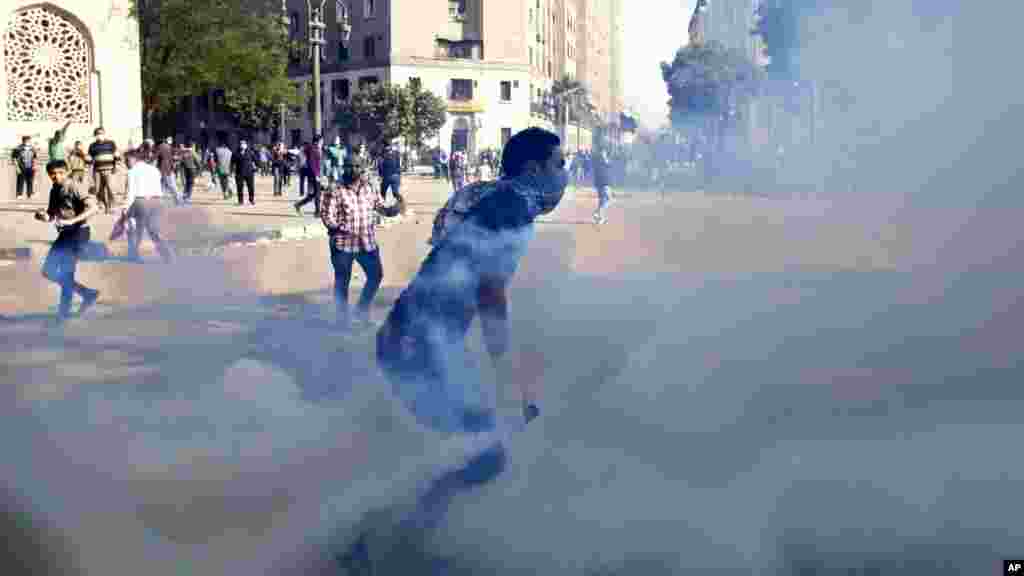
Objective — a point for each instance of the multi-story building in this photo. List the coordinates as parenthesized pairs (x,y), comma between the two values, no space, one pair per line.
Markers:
(731,22)
(491,60)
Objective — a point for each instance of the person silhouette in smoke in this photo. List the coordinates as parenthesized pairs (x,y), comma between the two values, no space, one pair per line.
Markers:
(478,239)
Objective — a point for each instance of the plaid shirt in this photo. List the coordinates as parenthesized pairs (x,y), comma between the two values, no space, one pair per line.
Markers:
(350,215)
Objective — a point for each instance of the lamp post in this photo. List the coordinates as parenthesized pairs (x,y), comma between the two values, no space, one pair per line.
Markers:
(315,10)
(286,27)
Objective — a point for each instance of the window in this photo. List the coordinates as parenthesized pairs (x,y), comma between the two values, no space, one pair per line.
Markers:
(506,91)
(367,81)
(368,48)
(461,90)
(369,8)
(340,89)
(506,135)
(457,9)
(342,52)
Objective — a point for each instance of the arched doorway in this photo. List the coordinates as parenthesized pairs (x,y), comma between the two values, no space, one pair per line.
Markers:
(48,65)
(460,135)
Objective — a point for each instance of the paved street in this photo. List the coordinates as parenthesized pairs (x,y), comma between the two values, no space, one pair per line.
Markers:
(747,385)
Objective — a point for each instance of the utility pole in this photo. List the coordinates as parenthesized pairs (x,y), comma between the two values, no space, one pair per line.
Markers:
(316,44)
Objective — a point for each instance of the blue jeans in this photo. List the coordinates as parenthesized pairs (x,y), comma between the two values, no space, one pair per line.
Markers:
(435,378)
(342,263)
(61,263)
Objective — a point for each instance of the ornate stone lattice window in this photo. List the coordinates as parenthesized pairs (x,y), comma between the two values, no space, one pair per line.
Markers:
(48,68)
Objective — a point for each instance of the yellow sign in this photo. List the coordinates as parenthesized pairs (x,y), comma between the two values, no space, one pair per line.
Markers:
(466,106)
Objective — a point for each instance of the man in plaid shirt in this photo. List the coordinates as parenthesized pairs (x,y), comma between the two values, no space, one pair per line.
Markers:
(349,211)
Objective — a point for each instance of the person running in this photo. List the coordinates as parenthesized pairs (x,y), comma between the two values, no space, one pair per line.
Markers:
(103,157)
(349,212)
(145,204)
(314,157)
(390,172)
(479,238)
(70,208)
(25,157)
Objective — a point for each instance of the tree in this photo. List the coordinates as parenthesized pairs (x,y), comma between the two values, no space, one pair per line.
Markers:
(190,47)
(707,80)
(429,114)
(378,112)
(568,87)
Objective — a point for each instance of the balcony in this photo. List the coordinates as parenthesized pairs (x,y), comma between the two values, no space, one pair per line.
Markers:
(458,49)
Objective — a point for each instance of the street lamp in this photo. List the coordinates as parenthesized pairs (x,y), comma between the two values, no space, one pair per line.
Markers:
(315,10)
(286,28)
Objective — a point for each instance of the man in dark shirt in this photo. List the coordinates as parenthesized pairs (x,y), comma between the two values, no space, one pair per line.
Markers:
(390,171)
(103,155)
(421,348)
(24,157)
(69,209)
(244,163)
(314,156)
(165,162)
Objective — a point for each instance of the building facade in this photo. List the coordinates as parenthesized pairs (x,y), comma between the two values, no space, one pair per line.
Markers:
(491,60)
(69,60)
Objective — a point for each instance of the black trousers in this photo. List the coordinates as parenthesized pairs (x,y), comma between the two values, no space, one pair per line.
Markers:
(61,263)
(190,182)
(246,180)
(371,265)
(25,182)
(393,183)
(313,196)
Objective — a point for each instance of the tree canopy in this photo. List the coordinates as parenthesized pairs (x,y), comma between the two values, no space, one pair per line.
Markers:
(382,113)
(190,47)
(429,113)
(707,80)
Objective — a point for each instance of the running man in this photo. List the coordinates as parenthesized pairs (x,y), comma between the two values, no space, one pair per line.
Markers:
(478,240)
(69,209)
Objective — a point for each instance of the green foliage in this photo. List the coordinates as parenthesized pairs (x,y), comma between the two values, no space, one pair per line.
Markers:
(707,80)
(193,46)
(567,85)
(429,113)
(779,26)
(379,112)
(382,113)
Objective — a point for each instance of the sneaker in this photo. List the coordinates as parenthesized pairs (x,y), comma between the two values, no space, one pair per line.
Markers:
(88,300)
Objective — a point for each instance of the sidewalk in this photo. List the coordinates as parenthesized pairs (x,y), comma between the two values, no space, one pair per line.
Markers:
(209,223)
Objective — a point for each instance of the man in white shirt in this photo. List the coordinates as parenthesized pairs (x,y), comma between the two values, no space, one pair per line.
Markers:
(144,204)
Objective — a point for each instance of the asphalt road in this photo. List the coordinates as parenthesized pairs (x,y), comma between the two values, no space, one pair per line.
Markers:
(760,416)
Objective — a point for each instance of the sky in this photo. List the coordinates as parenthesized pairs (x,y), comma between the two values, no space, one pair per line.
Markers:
(652,35)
